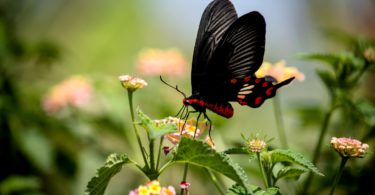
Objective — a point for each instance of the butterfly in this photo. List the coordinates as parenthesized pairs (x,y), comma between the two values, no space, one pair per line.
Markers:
(227,53)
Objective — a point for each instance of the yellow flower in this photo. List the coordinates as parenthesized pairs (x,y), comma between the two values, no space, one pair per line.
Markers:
(161,62)
(132,83)
(279,71)
(154,187)
(143,190)
(348,147)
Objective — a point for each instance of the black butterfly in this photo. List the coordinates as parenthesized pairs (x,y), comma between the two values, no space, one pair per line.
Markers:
(228,51)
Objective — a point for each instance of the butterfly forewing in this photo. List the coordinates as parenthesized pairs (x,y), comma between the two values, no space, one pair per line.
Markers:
(216,19)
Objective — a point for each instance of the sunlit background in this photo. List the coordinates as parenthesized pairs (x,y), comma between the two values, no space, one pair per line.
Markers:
(96,41)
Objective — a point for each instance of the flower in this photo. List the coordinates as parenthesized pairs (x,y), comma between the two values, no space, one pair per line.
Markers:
(188,128)
(75,91)
(166,150)
(256,145)
(209,141)
(348,147)
(153,188)
(168,191)
(369,54)
(161,62)
(184,185)
(279,71)
(132,83)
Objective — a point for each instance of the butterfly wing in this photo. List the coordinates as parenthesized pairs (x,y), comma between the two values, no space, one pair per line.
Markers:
(215,21)
(237,57)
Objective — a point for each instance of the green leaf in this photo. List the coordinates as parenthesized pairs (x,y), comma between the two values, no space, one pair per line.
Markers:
(289,172)
(280,155)
(330,59)
(256,190)
(112,166)
(200,154)
(241,150)
(155,129)
(328,79)
(20,185)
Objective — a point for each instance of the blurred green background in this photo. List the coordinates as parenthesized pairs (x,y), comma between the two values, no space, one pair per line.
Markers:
(43,42)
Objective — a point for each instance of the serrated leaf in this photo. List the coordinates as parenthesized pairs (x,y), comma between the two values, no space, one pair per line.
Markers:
(200,154)
(289,172)
(280,155)
(328,79)
(112,166)
(255,190)
(155,129)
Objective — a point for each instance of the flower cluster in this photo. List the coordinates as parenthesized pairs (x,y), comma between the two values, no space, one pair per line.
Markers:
(256,145)
(75,91)
(348,147)
(279,71)
(153,188)
(161,62)
(132,83)
(188,128)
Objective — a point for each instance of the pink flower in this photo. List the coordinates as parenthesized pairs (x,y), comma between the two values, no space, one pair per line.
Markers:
(161,62)
(279,71)
(132,83)
(348,147)
(184,185)
(187,128)
(75,91)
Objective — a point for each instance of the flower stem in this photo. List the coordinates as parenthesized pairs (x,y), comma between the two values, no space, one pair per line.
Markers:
(318,146)
(338,174)
(159,152)
(184,176)
(279,122)
(152,155)
(215,181)
(130,97)
(265,180)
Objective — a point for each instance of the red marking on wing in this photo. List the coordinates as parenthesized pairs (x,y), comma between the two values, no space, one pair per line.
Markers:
(233,81)
(258,100)
(247,79)
(264,84)
(269,91)
(257,80)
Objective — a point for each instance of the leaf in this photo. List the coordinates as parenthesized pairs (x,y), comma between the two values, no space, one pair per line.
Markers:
(289,172)
(330,59)
(328,79)
(200,154)
(280,155)
(20,185)
(112,166)
(256,190)
(155,129)
(241,150)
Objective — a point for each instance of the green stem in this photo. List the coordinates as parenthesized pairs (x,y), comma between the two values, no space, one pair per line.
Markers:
(338,174)
(265,180)
(184,176)
(215,181)
(318,146)
(279,122)
(130,97)
(152,156)
(159,152)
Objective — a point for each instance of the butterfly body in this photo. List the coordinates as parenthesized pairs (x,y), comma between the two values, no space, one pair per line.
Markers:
(224,109)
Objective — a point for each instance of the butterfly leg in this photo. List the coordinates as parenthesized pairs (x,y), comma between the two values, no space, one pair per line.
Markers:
(210,124)
(196,124)
(185,118)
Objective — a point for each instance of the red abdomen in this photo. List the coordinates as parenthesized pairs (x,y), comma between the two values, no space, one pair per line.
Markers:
(221,108)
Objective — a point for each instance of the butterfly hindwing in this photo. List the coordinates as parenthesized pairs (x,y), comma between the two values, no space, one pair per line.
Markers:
(253,91)
(215,21)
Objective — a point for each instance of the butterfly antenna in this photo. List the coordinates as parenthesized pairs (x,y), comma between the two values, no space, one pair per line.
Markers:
(176,88)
